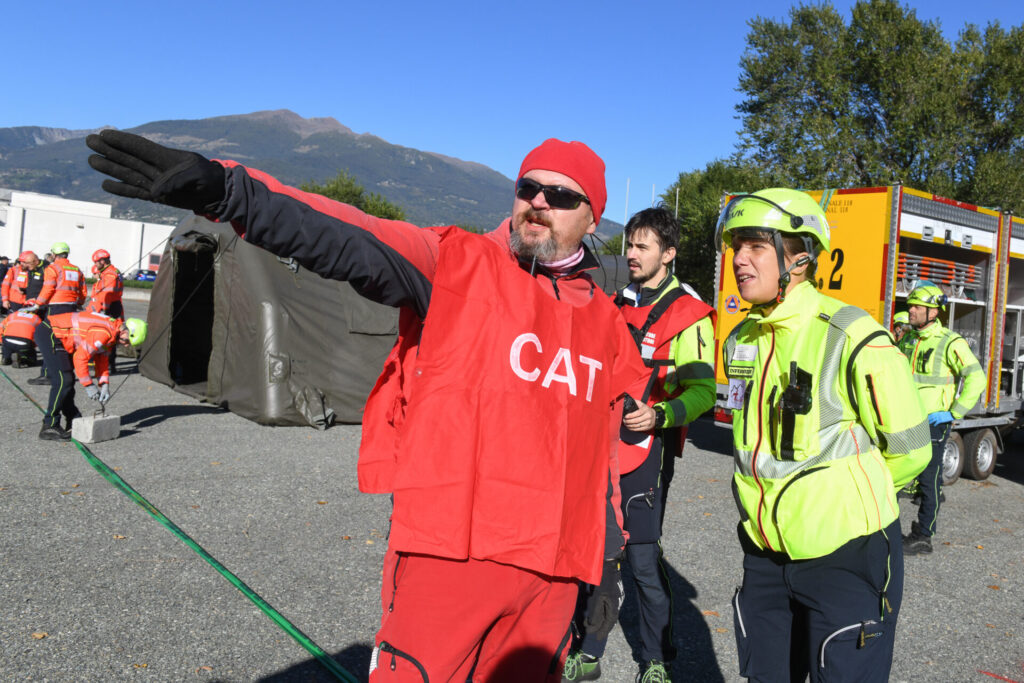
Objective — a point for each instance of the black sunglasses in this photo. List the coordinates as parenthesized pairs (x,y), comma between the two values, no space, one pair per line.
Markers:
(557,197)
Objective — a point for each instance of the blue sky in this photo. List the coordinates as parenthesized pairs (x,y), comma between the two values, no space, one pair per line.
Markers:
(651,86)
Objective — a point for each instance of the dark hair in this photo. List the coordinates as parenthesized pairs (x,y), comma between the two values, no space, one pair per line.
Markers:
(658,220)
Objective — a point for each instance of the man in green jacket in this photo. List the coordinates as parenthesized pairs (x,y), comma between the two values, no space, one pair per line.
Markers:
(823,436)
(675,334)
(949,382)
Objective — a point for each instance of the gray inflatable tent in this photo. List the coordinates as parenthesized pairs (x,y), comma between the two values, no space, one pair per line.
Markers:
(233,325)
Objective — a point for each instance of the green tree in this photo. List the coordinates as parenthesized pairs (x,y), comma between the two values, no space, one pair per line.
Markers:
(884,98)
(612,246)
(997,106)
(700,195)
(345,188)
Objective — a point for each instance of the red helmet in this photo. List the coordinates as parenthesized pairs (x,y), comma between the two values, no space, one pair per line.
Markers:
(100,253)
(27,255)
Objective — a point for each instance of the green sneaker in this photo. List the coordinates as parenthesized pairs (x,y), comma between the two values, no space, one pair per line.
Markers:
(654,673)
(581,667)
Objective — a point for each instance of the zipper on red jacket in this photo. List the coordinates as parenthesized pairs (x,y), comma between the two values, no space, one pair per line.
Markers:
(760,435)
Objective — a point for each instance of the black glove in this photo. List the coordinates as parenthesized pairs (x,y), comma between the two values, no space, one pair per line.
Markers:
(604,603)
(156,173)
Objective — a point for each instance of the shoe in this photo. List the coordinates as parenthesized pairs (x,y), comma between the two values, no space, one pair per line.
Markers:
(69,420)
(581,667)
(39,381)
(5,361)
(54,433)
(654,673)
(916,542)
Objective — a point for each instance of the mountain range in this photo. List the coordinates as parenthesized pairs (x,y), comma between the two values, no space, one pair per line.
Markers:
(433,189)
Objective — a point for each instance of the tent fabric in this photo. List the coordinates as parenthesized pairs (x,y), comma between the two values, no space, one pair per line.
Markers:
(236,326)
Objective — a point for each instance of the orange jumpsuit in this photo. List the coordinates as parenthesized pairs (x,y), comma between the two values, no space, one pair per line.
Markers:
(106,292)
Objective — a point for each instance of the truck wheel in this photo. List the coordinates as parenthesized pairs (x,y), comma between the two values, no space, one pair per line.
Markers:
(980,451)
(952,459)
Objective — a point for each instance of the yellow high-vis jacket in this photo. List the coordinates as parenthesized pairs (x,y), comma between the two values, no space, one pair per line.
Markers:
(939,359)
(826,424)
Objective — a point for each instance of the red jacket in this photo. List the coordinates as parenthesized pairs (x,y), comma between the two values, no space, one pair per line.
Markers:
(107,289)
(655,347)
(89,337)
(20,325)
(494,438)
(63,283)
(13,287)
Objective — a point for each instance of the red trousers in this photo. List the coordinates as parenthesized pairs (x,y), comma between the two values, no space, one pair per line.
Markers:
(446,618)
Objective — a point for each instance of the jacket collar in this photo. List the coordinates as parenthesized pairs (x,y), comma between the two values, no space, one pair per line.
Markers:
(800,304)
(933,329)
(647,296)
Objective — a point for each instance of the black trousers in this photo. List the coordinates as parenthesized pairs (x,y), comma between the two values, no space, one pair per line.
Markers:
(58,366)
(16,346)
(644,497)
(929,482)
(654,603)
(833,617)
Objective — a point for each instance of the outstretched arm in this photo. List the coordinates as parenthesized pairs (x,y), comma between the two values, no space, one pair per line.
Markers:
(388,261)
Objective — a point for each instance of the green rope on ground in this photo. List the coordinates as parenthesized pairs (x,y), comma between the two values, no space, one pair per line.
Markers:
(275,616)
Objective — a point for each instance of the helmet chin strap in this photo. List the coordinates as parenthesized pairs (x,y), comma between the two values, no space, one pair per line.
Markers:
(927,320)
(785,277)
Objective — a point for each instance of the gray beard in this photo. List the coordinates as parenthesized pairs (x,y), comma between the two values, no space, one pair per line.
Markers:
(544,251)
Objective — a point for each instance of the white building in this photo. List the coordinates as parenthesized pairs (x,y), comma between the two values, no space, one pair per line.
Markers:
(31,221)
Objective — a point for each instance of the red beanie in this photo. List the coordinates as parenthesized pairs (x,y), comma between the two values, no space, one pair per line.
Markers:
(575,160)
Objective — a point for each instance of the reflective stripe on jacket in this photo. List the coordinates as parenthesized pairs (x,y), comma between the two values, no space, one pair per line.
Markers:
(820,453)
(19,324)
(63,284)
(939,359)
(14,284)
(107,289)
(89,337)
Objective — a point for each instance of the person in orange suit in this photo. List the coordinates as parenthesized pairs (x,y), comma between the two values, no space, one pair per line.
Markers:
(16,332)
(67,352)
(63,293)
(106,293)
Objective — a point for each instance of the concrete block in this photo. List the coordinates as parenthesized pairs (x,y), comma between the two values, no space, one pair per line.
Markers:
(96,429)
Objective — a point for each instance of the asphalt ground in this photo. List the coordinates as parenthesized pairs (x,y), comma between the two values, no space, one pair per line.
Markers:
(92,588)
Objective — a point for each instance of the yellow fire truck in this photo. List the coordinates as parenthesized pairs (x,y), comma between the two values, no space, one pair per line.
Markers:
(885,240)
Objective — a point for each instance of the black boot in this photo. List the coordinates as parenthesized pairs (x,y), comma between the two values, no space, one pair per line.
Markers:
(54,433)
(916,542)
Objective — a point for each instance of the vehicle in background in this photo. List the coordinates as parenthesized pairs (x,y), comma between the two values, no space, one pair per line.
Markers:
(887,240)
(143,275)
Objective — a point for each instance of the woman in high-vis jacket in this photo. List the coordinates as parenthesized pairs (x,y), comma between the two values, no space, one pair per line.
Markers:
(826,429)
